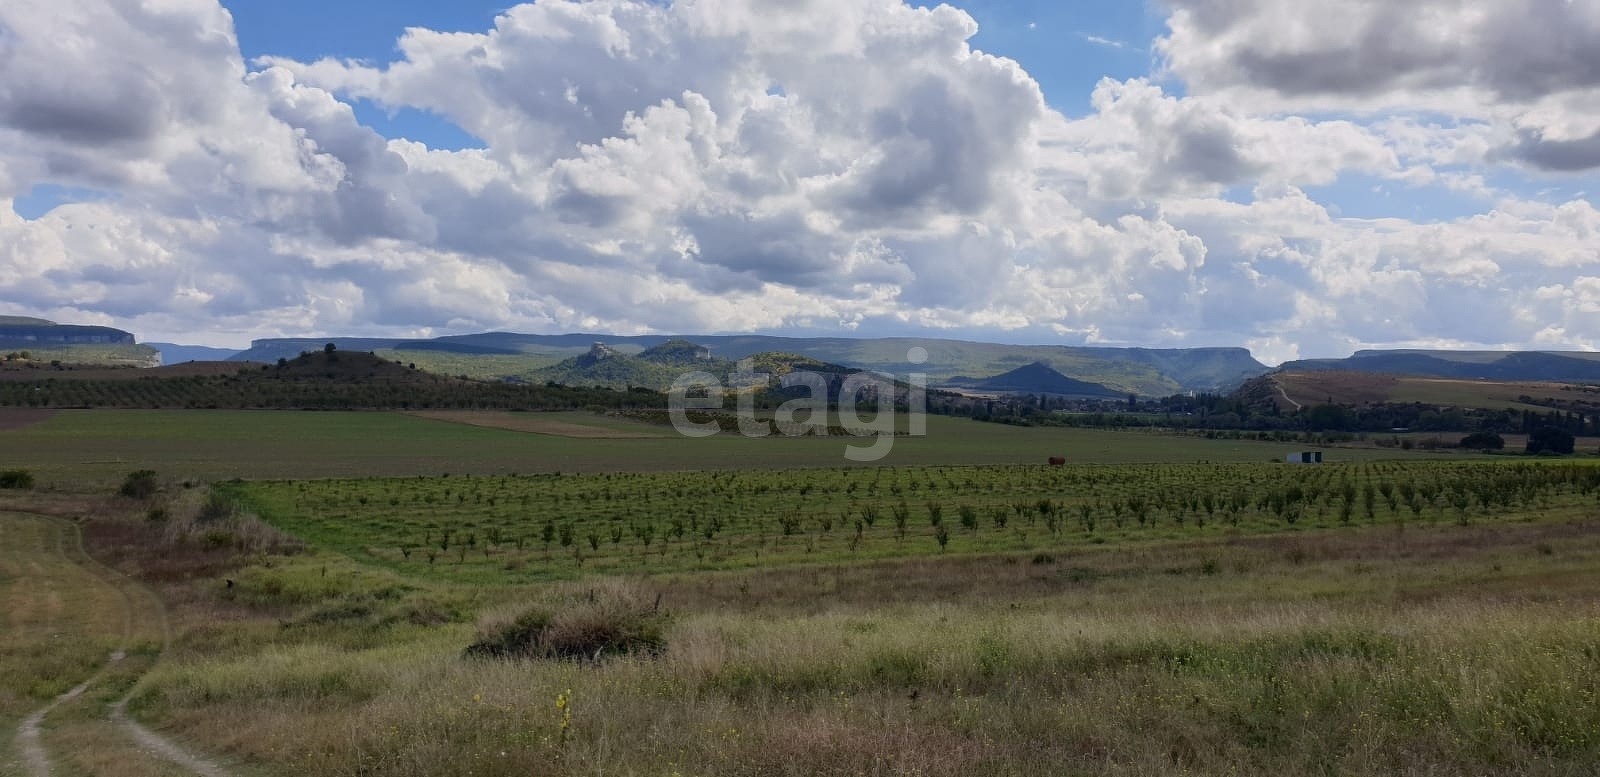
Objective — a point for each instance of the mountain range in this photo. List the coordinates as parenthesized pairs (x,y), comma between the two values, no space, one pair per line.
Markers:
(1144,371)
(172,353)
(23,331)
(49,341)
(1576,366)
(659,365)
(653,360)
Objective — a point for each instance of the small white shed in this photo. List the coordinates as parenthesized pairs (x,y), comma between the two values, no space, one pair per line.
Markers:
(1305,457)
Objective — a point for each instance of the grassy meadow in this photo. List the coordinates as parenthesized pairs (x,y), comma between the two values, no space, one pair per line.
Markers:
(59,620)
(337,585)
(1428,650)
(478,366)
(101,445)
(62,618)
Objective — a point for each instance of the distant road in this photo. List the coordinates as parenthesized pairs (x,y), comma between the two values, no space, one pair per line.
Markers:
(1285,395)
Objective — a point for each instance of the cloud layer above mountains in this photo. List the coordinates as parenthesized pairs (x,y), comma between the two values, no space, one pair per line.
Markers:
(847,166)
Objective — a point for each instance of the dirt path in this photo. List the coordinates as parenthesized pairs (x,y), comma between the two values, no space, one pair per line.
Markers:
(152,614)
(1285,395)
(153,743)
(28,745)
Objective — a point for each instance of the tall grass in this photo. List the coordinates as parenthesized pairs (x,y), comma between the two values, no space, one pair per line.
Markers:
(1470,653)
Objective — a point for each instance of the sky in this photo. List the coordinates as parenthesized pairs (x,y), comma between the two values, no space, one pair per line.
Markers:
(1302,179)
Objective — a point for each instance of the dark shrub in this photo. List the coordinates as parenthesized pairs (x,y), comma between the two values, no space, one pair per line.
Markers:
(140,485)
(1483,441)
(1549,439)
(605,622)
(16,478)
(217,508)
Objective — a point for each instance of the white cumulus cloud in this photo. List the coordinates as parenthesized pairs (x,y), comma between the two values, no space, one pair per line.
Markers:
(844,166)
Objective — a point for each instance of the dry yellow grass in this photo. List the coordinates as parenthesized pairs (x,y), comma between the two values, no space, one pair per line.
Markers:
(1428,650)
(58,620)
(59,623)
(67,619)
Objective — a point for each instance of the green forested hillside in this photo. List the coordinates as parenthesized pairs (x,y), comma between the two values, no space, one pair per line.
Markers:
(316,381)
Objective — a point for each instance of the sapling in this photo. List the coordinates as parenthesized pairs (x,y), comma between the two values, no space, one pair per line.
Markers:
(969,517)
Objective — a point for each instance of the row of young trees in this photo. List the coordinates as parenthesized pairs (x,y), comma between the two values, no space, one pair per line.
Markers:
(227,392)
(1229,413)
(482,527)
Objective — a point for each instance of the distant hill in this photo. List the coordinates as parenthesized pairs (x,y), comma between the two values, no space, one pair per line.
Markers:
(1290,390)
(178,354)
(289,348)
(1036,378)
(1144,371)
(602,365)
(48,341)
(316,381)
(676,353)
(658,366)
(17,331)
(1557,366)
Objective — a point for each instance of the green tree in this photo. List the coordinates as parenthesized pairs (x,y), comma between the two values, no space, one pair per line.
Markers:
(1550,439)
(1483,441)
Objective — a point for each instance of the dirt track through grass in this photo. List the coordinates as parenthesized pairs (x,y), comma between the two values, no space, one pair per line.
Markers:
(62,611)
(29,747)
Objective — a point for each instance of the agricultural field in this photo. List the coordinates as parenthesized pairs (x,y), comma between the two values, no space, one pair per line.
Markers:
(581,427)
(1360,388)
(498,594)
(37,371)
(540,527)
(99,446)
(1457,642)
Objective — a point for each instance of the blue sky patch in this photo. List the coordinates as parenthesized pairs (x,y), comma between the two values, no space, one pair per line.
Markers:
(45,197)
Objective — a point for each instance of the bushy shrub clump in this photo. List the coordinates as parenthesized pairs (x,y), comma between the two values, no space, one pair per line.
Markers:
(140,485)
(16,478)
(612,620)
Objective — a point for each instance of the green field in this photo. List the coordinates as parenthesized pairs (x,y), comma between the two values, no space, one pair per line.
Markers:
(1428,648)
(1160,605)
(532,527)
(476,366)
(216,445)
